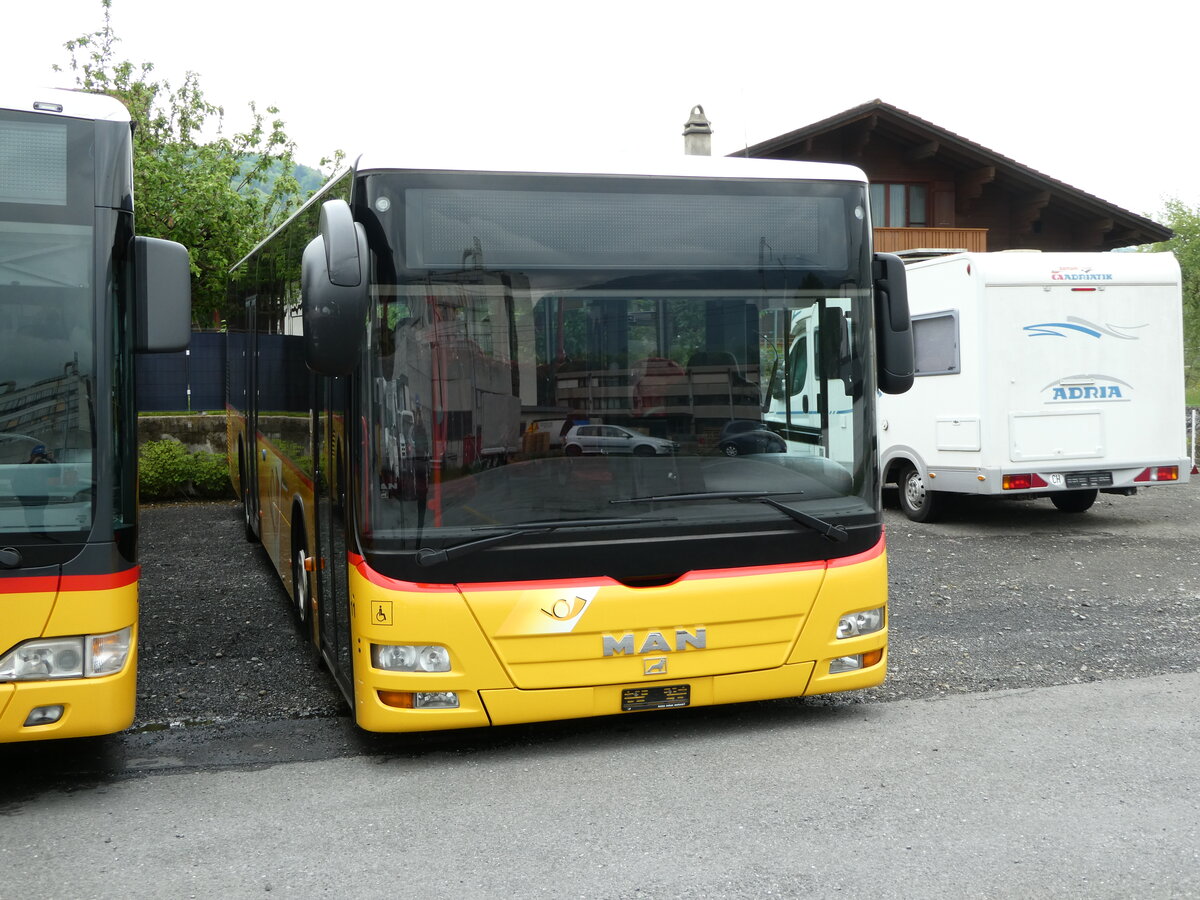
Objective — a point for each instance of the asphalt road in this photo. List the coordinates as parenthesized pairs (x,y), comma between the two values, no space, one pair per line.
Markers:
(1037,736)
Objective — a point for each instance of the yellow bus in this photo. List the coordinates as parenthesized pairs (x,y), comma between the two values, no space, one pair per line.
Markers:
(533,443)
(79,293)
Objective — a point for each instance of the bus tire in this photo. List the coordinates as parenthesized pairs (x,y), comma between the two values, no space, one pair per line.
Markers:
(917,502)
(247,513)
(1074,501)
(301,580)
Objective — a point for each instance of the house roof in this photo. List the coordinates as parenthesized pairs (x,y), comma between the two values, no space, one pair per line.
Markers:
(924,137)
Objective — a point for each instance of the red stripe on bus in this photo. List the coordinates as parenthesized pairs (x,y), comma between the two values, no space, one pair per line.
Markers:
(860,558)
(42,583)
(395,584)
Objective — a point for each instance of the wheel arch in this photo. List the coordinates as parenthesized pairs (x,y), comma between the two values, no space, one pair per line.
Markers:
(895,460)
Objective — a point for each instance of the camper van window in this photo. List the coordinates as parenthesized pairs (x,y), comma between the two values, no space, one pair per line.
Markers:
(935,343)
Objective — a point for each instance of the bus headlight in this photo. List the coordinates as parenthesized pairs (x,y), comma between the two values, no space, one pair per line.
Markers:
(47,659)
(436,700)
(855,624)
(43,660)
(410,658)
(845,664)
(855,662)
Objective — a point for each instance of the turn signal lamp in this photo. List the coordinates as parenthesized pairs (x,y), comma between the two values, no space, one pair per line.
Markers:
(1023,482)
(419,699)
(1159,473)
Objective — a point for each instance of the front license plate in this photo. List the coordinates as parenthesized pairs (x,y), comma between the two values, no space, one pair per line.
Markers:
(659,696)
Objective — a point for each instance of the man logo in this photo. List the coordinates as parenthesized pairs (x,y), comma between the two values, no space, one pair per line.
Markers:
(656,666)
(654,642)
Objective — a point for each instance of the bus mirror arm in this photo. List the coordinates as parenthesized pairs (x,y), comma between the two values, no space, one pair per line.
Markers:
(162,295)
(333,291)
(893,328)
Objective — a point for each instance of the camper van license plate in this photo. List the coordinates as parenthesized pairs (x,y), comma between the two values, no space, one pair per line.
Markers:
(1089,479)
(666,696)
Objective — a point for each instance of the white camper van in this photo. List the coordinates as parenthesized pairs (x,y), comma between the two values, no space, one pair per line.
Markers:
(1038,374)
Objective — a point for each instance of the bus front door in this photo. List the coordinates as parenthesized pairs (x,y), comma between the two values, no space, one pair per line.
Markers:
(330,496)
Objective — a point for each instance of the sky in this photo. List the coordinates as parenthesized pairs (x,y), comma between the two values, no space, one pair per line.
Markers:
(1095,93)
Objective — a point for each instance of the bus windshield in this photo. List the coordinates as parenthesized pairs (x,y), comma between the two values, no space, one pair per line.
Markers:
(575,352)
(47,331)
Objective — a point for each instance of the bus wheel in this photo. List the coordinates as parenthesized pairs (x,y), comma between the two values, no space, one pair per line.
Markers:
(916,501)
(1074,501)
(301,587)
(247,512)
(248,517)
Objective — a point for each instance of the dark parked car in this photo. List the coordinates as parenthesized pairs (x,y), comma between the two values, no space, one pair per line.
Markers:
(743,436)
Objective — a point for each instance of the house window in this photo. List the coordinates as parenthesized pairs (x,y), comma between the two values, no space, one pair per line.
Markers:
(898,205)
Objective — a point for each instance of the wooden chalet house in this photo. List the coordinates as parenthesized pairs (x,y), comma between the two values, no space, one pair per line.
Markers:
(931,188)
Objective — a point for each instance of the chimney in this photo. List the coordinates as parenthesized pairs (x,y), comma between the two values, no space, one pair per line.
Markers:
(697,134)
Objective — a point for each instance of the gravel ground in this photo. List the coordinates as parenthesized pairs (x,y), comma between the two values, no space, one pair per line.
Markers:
(1000,595)
(217,642)
(1007,594)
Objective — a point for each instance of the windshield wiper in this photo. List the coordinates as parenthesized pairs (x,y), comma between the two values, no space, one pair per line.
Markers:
(427,556)
(827,529)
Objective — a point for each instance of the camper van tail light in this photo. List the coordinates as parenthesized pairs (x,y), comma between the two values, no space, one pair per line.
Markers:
(1159,473)
(1023,482)
(1085,290)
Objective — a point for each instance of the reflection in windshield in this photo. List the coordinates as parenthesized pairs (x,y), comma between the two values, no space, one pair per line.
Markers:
(496,402)
(46,378)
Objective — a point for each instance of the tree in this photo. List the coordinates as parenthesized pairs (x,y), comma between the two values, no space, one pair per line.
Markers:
(1185,244)
(217,195)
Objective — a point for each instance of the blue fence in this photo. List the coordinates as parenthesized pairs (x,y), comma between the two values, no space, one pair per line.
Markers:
(191,381)
(194,380)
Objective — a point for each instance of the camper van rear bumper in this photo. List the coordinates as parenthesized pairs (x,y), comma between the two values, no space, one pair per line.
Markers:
(1124,479)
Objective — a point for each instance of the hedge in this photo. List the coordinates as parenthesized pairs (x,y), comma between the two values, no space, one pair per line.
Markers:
(167,470)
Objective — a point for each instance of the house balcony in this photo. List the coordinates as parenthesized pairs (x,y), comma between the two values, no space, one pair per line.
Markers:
(892,240)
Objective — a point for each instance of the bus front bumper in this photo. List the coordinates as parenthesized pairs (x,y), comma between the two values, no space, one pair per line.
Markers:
(90,706)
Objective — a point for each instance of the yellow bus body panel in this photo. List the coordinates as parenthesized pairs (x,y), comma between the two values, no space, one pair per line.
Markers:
(542,651)
(24,614)
(749,622)
(848,589)
(421,616)
(92,706)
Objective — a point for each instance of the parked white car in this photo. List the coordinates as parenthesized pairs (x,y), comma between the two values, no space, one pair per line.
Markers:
(613,439)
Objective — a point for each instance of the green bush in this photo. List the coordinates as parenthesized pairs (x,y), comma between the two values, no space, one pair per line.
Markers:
(210,474)
(167,471)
